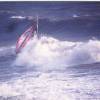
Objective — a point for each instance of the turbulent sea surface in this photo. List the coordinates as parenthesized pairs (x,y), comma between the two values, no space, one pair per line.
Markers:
(48,73)
(62,64)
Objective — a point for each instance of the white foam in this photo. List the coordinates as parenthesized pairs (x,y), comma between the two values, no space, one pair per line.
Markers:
(18,17)
(49,53)
(51,86)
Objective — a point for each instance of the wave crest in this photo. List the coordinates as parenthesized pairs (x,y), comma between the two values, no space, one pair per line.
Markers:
(49,53)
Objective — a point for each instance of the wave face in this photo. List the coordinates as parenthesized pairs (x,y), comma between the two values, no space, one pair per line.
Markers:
(47,53)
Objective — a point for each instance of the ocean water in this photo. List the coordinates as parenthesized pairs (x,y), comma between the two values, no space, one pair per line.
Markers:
(46,71)
(63,63)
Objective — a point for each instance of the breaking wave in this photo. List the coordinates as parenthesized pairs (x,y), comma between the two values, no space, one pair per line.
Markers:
(49,53)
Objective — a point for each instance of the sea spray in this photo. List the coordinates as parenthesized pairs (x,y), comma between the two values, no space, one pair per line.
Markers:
(49,53)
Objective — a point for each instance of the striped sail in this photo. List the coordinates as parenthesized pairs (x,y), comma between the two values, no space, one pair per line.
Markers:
(24,38)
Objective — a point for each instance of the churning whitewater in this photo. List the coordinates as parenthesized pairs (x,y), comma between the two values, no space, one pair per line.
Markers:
(46,53)
(50,69)
(55,56)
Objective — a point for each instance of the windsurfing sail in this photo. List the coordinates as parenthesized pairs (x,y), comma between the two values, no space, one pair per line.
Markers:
(24,38)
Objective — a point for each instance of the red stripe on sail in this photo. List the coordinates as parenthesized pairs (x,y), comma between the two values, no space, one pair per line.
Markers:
(23,39)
